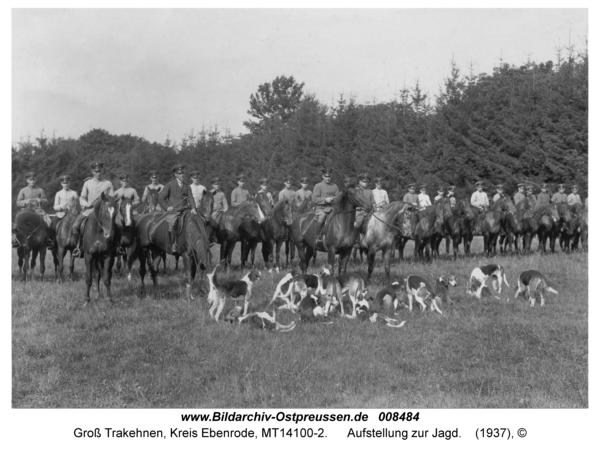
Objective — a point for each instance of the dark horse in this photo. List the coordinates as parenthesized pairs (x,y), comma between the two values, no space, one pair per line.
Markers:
(251,230)
(153,241)
(65,241)
(97,244)
(29,236)
(583,228)
(290,247)
(563,224)
(492,223)
(381,232)
(273,232)
(535,216)
(547,216)
(339,232)
(228,231)
(569,237)
(457,228)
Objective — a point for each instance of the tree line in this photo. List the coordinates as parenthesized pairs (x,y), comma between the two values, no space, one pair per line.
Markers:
(519,123)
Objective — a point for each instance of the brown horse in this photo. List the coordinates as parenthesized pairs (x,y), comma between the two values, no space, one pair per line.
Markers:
(547,217)
(251,230)
(29,235)
(64,239)
(562,225)
(339,231)
(429,225)
(153,242)
(381,232)
(534,215)
(457,228)
(228,232)
(151,203)
(583,228)
(97,244)
(569,238)
(492,223)
(290,247)
(273,232)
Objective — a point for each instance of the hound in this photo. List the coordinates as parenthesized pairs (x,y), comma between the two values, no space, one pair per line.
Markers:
(486,292)
(365,312)
(311,308)
(264,321)
(353,285)
(441,288)
(420,289)
(330,288)
(236,290)
(534,282)
(390,297)
(293,286)
(481,274)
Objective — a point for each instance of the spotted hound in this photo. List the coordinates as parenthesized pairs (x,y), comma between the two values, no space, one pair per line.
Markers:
(292,288)
(367,309)
(534,282)
(442,291)
(314,308)
(390,297)
(236,290)
(420,289)
(353,286)
(481,274)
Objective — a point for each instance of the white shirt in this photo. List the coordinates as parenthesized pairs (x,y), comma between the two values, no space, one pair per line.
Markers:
(479,199)
(424,200)
(63,201)
(381,197)
(198,192)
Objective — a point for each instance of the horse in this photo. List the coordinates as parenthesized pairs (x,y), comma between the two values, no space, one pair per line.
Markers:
(491,222)
(534,216)
(457,228)
(273,232)
(30,235)
(153,242)
(251,230)
(547,216)
(339,231)
(382,229)
(228,232)
(125,231)
(65,241)
(97,244)
(512,227)
(583,228)
(290,247)
(151,203)
(569,238)
(562,225)
(430,222)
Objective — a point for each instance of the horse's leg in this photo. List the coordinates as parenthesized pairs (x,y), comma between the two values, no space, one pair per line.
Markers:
(187,274)
(20,256)
(278,244)
(107,266)
(42,262)
(142,260)
(456,238)
(343,260)
(26,256)
(304,254)
(244,253)
(89,272)
(60,253)
(371,263)
(253,246)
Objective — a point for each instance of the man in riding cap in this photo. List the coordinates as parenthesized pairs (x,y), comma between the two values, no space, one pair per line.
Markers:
(323,196)
(574,197)
(220,202)
(499,193)
(367,195)
(176,198)
(424,200)
(197,188)
(154,185)
(127,192)
(451,196)
(379,195)
(479,198)
(63,201)
(263,189)
(303,192)
(92,189)
(529,191)
(560,196)
(287,193)
(33,197)
(440,195)
(239,194)
(411,197)
(520,195)
(543,197)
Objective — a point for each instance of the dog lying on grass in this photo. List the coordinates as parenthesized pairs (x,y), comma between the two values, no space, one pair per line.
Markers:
(235,290)
(259,320)
(533,282)
(368,309)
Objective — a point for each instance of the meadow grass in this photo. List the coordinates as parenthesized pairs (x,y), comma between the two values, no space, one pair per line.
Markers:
(159,350)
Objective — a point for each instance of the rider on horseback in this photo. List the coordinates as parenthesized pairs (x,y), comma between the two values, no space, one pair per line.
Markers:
(379,195)
(239,194)
(287,194)
(520,195)
(560,196)
(92,189)
(499,193)
(451,196)
(197,188)
(479,199)
(32,197)
(367,194)
(63,200)
(220,202)
(323,197)
(543,197)
(424,200)
(263,189)
(154,185)
(303,192)
(176,198)
(411,197)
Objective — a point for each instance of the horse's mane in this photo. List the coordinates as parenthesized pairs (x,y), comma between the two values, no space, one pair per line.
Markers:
(342,199)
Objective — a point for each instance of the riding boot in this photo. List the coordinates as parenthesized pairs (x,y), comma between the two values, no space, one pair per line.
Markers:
(173,242)
(76,252)
(318,231)
(51,237)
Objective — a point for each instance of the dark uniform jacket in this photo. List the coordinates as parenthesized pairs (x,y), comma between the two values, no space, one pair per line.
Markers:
(172,196)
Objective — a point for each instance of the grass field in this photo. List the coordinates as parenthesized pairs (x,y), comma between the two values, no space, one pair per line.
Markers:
(162,351)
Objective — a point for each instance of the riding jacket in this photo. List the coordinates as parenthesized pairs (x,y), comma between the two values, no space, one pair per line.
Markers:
(238,196)
(559,197)
(63,200)
(301,195)
(573,198)
(127,193)
(380,197)
(92,189)
(287,194)
(30,193)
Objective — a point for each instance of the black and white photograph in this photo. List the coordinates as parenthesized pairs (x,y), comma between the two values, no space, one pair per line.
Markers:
(335,225)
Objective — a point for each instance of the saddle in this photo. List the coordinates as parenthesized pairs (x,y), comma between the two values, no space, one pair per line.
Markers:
(163,219)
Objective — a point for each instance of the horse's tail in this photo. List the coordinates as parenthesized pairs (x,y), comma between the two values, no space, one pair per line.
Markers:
(197,239)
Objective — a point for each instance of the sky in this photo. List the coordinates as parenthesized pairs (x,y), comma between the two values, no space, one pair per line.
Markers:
(166,73)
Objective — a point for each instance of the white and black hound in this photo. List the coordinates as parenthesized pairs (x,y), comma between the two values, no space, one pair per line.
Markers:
(292,288)
(420,289)
(353,285)
(534,282)
(313,308)
(442,291)
(481,274)
(236,290)
(390,297)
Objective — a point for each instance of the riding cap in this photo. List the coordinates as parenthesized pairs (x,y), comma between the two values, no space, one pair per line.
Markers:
(561,186)
(479,183)
(451,189)
(194,173)
(411,186)
(544,186)
(29,175)
(240,177)
(179,168)
(304,180)
(215,180)
(96,165)
(287,178)
(440,189)
(363,177)
(65,178)
(124,177)
(520,184)
(500,186)
(378,180)
(153,172)
(263,181)
(529,187)
(326,171)
(423,186)
(575,186)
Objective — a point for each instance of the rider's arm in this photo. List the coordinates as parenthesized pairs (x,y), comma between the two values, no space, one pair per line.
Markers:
(84,195)
(57,206)
(145,194)
(21,201)
(136,198)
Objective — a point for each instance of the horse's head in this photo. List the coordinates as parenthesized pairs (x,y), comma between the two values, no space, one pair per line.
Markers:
(126,212)
(553,212)
(447,207)
(466,209)
(263,201)
(250,209)
(440,213)
(152,199)
(284,209)
(564,212)
(206,205)
(576,209)
(351,196)
(19,237)
(106,213)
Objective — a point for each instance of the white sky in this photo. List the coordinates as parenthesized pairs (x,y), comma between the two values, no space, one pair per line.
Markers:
(159,73)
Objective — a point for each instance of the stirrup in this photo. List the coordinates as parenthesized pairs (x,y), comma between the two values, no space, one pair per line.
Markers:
(120,251)
(76,253)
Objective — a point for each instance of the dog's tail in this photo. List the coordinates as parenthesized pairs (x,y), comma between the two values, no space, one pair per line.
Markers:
(551,290)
